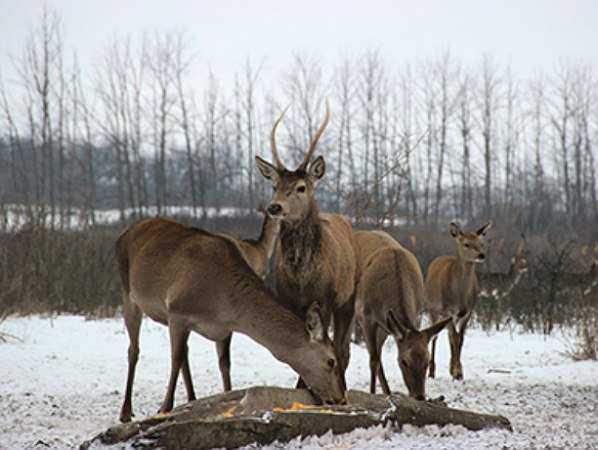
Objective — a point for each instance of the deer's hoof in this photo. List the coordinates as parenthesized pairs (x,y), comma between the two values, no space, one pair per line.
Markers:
(125,417)
(457,375)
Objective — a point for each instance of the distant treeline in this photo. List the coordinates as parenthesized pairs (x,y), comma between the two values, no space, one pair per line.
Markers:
(423,141)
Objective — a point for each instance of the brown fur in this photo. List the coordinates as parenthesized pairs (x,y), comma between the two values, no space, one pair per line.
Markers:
(315,258)
(193,280)
(257,252)
(452,290)
(390,296)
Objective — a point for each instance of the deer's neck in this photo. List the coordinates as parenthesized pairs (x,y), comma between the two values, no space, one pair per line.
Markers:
(466,274)
(272,325)
(300,244)
(257,252)
(268,236)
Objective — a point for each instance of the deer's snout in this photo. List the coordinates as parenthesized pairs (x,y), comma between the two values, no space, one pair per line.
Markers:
(274,209)
(481,257)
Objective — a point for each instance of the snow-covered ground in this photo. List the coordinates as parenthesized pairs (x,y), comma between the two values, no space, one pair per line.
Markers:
(63,383)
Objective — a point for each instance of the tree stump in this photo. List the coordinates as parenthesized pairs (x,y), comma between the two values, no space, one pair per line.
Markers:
(266,414)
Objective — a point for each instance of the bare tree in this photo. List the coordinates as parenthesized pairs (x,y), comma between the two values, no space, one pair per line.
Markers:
(561,112)
(490,83)
(345,91)
(465,120)
(446,73)
(182,62)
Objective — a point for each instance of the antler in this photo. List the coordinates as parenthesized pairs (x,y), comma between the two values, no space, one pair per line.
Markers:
(277,159)
(316,138)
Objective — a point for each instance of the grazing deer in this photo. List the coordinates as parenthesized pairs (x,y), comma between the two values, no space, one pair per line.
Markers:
(452,290)
(315,257)
(584,282)
(498,285)
(390,296)
(192,280)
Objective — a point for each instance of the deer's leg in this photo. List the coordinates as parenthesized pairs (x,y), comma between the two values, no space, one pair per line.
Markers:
(343,318)
(455,343)
(370,341)
(381,376)
(432,366)
(186,370)
(132,315)
(460,339)
(223,348)
(178,342)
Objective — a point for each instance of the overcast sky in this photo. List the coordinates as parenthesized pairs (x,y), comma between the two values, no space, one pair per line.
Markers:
(530,34)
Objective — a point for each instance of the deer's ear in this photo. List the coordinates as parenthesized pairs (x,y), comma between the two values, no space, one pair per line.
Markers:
(455,230)
(482,231)
(396,328)
(267,170)
(433,330)
(317,168)
(313,323)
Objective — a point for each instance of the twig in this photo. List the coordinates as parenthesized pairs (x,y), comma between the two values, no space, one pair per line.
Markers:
(4,337)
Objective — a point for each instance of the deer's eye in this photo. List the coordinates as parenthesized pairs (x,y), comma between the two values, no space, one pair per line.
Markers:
(331,363)
(301,189)
(466,245)
(404,362)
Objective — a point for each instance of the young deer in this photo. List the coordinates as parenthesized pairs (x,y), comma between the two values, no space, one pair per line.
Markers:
(257,252)
(390,296)
(452,290)
(192,280)
(499,285)
(315,256)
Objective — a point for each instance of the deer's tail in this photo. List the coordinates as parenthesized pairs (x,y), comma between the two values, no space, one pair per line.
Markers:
(122,256)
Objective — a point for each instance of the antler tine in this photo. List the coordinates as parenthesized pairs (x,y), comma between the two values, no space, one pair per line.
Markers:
(316,138)
(277,159)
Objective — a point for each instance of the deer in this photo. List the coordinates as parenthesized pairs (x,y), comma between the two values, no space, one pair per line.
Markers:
(452,290)
(390,297)
(315,257)
(258,252)
(193,280)
(500,285)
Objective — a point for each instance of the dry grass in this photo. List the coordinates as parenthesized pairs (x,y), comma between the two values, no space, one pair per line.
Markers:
(585,346)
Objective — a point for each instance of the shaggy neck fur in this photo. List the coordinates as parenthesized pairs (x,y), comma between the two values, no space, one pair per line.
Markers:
(300,243)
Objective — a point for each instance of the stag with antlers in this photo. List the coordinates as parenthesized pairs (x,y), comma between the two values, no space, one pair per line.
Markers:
(315,256)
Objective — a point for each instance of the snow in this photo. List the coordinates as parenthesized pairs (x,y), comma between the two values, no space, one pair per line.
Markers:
(63,384)
(16,215)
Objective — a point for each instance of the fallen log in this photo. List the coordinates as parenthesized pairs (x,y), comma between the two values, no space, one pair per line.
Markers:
(266,414)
